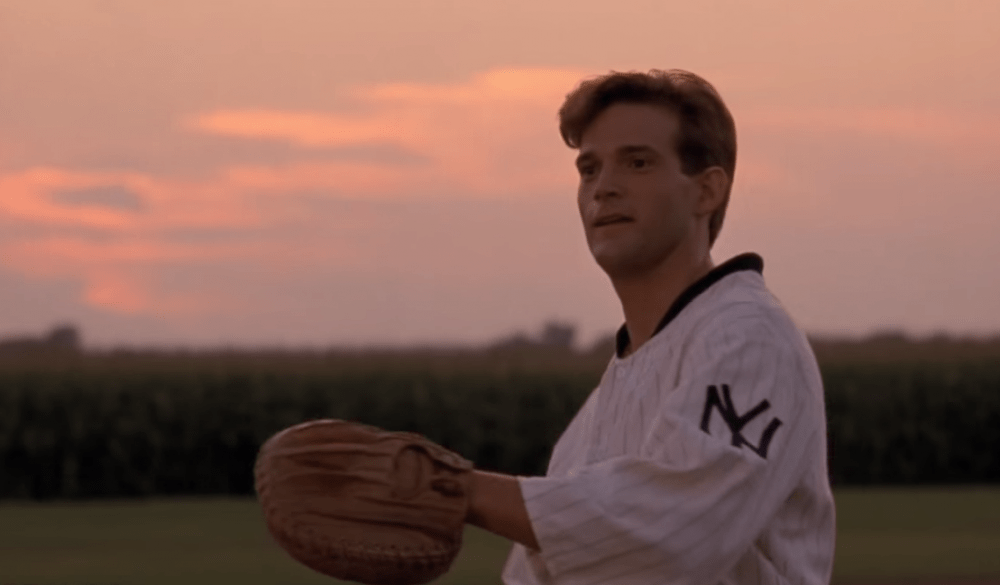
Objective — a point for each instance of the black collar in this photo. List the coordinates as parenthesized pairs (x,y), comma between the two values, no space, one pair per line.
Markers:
(748,261)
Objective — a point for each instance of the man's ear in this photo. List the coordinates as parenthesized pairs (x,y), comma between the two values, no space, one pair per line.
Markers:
(713,185)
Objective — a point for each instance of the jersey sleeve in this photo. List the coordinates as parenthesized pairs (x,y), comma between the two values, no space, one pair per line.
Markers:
(730,441)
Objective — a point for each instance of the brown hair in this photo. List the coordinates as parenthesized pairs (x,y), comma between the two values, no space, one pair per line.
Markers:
(707,135)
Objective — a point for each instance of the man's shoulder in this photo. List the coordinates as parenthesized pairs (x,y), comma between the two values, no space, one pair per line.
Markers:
(738,299)
(740,309)
(740,331)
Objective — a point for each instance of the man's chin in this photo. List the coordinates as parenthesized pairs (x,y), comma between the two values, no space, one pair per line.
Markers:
(623,262)
(616,265)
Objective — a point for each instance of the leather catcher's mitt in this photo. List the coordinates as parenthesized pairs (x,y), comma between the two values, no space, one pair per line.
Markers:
(355,502)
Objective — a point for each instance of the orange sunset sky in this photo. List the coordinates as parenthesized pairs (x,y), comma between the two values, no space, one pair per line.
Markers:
(315,172)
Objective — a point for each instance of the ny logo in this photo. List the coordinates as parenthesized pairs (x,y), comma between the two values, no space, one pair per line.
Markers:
(735,422)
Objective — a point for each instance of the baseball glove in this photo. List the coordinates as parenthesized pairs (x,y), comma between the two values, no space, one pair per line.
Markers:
(358,503)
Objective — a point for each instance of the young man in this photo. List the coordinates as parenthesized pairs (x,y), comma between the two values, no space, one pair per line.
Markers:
(701,456)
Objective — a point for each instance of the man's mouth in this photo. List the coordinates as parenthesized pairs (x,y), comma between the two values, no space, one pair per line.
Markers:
(611,219)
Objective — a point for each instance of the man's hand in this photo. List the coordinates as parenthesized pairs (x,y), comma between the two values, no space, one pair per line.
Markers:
(496,504)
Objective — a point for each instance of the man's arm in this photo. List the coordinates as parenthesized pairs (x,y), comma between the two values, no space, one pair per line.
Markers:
(496,504)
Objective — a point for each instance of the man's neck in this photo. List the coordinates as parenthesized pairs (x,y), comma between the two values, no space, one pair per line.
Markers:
(646,298)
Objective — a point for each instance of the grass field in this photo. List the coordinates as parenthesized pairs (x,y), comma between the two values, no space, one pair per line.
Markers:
(884,535)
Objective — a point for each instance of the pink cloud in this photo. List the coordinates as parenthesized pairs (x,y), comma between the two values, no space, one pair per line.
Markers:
(117,293)
(118,259)
(494,135)
(27,197)
(504,85)
(303,128)
(117,275)
(908,123)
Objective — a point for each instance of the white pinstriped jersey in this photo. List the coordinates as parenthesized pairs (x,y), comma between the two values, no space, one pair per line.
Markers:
(699,459)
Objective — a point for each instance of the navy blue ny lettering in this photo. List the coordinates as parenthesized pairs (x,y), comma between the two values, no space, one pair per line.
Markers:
(735,422)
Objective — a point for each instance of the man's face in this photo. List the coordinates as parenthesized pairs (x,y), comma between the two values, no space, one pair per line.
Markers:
(636,205)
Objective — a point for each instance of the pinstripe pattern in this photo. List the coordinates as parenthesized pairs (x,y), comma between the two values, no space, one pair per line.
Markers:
(637,493)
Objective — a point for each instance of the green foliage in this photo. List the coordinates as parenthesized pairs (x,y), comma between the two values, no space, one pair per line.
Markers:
(920,422)
(132,426)
(88,426)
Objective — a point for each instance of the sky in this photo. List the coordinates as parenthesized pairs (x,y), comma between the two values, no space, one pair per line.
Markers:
(308,173)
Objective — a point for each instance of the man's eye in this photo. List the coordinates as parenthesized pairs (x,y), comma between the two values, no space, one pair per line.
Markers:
(587,171)
(639,163)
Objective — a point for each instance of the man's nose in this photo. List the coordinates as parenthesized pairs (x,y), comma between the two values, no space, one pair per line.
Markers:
(607,185)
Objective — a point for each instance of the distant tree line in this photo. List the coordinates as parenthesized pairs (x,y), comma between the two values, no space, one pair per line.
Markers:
(128,423)
(60,339)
